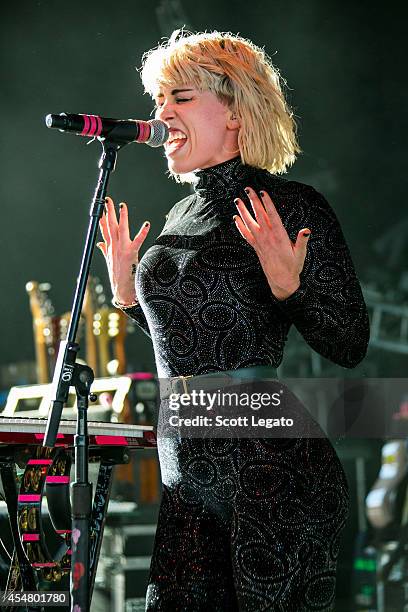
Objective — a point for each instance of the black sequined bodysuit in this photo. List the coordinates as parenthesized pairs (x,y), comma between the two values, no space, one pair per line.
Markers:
(246,524)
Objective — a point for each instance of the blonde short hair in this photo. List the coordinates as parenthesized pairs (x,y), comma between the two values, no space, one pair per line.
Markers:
(243,77)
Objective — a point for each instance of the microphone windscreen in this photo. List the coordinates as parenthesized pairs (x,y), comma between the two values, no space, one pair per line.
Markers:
(159,133)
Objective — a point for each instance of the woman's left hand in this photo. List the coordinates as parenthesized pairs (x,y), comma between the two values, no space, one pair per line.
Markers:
(281,260)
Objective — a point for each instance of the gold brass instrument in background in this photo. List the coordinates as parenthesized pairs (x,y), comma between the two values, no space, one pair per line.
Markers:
(102,329)
(43,328)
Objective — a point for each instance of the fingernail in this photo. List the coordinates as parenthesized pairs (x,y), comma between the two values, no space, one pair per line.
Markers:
(106,200)
(146,223)
(247,191)
(120,206)
(236,202)
(234,217)
(306,234)
(262,193)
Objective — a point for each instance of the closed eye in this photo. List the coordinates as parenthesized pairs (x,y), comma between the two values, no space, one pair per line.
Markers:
(178,100)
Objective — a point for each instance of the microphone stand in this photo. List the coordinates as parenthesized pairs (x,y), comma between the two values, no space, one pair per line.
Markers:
(68,373)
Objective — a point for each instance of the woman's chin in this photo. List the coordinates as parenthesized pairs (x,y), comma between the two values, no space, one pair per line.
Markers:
(180,167)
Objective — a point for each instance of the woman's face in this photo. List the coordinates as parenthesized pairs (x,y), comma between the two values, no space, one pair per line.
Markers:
(202,133)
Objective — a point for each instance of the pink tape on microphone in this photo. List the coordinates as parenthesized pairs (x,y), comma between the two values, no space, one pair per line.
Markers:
(92,125)
(96,128)
(99,128)
(144,131)
(92,131)
(86,125)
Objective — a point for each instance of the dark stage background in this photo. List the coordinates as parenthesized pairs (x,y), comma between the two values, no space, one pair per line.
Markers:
(345,66)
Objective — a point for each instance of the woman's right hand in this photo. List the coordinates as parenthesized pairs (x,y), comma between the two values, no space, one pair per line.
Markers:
(120,252)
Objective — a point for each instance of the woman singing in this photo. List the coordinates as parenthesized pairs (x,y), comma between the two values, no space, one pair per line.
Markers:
(244,524)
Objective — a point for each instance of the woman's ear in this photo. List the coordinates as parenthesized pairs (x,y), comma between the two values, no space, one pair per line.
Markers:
(233,122)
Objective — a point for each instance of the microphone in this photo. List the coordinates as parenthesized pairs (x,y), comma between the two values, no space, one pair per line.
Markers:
(153,133)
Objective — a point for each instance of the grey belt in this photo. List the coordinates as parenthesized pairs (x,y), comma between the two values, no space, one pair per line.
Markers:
(212,380)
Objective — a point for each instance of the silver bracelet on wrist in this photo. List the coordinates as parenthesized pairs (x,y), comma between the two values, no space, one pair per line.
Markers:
(123,306)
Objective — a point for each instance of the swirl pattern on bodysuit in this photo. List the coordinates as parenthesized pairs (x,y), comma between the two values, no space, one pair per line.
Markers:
(246,524)
(205,299)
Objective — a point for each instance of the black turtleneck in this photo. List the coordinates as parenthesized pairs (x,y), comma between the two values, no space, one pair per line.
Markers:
(205,300)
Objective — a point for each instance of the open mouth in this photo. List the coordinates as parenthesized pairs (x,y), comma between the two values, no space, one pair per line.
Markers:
(176,141)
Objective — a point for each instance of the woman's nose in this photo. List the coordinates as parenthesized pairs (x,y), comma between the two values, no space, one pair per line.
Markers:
(165,111)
